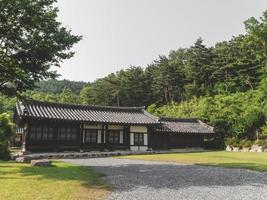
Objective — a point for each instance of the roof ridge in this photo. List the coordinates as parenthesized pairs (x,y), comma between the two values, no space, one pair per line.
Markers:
(150,115)
(173,119)
(120,108)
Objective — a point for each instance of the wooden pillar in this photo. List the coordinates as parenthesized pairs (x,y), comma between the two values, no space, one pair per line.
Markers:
(56,143)
(107,145)
(126,136)
(24,142)
(80,135)
(103,139)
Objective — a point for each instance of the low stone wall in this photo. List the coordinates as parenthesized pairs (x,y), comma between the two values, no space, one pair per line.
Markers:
(253,148)
(84,155)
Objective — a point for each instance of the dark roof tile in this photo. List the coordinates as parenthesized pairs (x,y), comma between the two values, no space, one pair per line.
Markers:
(176,125)
(105,114)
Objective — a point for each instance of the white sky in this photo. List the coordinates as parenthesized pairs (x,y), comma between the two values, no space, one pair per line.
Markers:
(121,33)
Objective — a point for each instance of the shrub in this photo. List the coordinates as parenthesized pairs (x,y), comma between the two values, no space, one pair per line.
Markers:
(4,151)
(262,143)
(214,144)
(245,144)
(6,134)
(233,142)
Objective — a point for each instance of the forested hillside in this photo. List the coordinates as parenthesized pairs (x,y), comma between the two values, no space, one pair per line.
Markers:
(53,86)
(225,84)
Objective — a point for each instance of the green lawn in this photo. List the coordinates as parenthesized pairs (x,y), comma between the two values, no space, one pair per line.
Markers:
(61,181)
(254,161)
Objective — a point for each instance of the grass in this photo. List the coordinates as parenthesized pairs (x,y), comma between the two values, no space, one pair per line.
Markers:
(61,181)
(246,160)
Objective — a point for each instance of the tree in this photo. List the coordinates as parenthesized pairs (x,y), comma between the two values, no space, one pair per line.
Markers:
(57,86)
(67,96)
(198,69)
(133,87)
(236,65)
(86,95)
(31,42)
(257,40)
(6,134)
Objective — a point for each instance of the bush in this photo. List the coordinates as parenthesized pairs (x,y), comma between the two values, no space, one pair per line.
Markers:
(233,142)
(6,134)
(4,151)
(214,144)
(245,144)
(262,143)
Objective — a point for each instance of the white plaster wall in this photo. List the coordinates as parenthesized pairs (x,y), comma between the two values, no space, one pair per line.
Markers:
(115,127)
(92,126)
(140,148)
(138,129)
(145,139)
(121,137)
(131,139)
(99,136)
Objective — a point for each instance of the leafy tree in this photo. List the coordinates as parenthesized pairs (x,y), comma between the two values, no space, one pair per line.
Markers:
(133,87)
(166,80)
(31,41)
(86,95)
(257,40)
(40,96)
(67,96)
(198,69)
(54,86)
(6,134)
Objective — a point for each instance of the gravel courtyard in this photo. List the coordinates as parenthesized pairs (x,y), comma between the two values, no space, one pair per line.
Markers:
(147,180)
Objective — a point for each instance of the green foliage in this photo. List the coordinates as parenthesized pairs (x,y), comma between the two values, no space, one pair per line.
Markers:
(237,115)
(67,96)
(6,134)
(7,104)
(53,86)
(4,151)
(86,95)
(264,129)
(233,142)
(31,41)
(216,143)
(245,143)
(262,143)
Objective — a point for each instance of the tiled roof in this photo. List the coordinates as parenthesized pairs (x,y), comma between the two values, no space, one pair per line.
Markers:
(84,113)
(175,125)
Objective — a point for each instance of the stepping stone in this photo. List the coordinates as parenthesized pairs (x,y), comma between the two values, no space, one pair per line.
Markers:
(41,163)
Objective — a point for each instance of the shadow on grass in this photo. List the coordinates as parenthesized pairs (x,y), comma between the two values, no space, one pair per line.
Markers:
(66,172)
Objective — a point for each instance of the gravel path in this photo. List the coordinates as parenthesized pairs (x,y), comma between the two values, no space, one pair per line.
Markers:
(147,180)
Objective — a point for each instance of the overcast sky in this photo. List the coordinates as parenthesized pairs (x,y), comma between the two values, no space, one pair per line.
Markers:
(120,33)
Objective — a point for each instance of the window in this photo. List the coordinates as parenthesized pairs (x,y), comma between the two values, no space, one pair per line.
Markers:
(51,133)
(41,133)
(38,133)
(67,134)
(139,139)
(114,136)
(45,133)
(90,136)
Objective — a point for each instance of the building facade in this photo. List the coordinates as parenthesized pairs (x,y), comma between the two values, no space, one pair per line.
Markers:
(44,126)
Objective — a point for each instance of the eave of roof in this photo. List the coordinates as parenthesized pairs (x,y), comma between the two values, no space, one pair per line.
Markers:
(183,125)
(84,113)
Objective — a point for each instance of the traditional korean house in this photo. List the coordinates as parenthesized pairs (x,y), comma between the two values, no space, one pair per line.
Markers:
(45,126)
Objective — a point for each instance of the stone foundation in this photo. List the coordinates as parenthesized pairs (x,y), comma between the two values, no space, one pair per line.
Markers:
(84,155)
(254,148)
